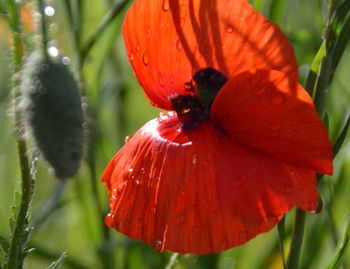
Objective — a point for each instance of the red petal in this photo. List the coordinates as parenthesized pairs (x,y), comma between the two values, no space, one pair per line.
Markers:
(197,191)
(264,111)
(168,40)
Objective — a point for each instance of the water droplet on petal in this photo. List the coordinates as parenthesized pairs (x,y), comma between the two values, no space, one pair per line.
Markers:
(160,80)
(277,99)
(162,116)
(159,245)
(166,5)
(131,57)
(109,219)
(131,170)
(138,47)
(229,29)
(126,140)
(145,58)
(194,159)
(179,45)
(171,114)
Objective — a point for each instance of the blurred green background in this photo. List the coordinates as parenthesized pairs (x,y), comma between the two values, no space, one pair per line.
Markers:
(68,217)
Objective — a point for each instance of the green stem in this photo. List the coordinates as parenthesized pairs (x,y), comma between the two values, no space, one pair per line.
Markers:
(297,240)
(43,29)
(73,23)
(323,79)
(15,250)
(107,19)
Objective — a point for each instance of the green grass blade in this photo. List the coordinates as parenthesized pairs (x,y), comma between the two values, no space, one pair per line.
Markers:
(341,251)
(57,263)
(315,66)
(281,236)
(276,10)
(172,261)
(258,5)
(341,138)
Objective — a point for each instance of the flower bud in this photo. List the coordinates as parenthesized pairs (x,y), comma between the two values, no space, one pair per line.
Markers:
(54,113)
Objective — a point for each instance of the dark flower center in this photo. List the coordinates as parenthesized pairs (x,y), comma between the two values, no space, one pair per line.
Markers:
(194,106)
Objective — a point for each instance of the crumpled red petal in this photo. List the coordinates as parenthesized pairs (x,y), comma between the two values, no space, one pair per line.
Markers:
(197,191)
(167,41)
(262,110)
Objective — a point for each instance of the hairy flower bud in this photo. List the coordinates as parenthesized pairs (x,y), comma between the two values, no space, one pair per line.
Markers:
(54,113)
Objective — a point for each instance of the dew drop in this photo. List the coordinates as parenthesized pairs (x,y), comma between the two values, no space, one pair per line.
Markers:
(145,58)
(66,60)
(166,5)
(171,114)
(160,80)
(194,159)
(126,140)
(277,99)
(131,57)
(138,47)
(53,51)
(179,45)
(229,29)
(159,245)
(49,11)
(162,116)
(109,219)
(131,170)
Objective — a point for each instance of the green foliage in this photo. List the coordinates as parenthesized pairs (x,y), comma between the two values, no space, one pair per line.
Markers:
(335,263)
(4,248)
(57,263)
(72,218)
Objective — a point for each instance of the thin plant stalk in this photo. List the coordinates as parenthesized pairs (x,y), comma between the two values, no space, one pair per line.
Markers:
(321,90)
(106,255)
(297,240)
(43,29)
(15,249)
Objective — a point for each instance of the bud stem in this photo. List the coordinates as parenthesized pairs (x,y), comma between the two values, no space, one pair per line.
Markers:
(16,245)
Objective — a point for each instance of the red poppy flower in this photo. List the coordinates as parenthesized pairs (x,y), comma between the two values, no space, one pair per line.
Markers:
(244,143)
